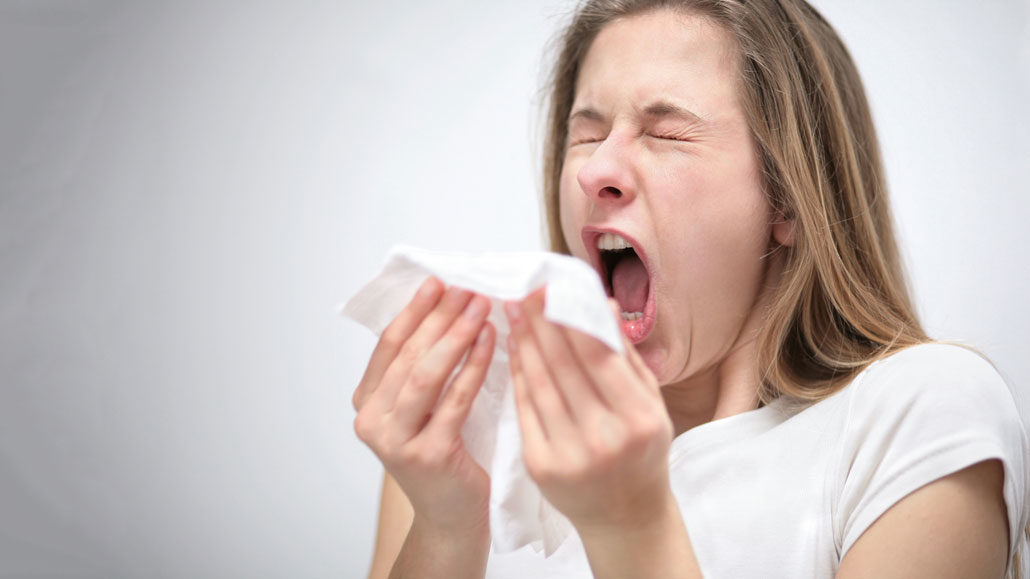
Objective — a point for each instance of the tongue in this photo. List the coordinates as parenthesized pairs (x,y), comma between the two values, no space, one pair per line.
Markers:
(630,283)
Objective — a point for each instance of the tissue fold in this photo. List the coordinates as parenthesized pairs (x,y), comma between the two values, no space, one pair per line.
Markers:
(519,514)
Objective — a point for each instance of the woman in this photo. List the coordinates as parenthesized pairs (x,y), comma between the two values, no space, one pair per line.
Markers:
(779,410)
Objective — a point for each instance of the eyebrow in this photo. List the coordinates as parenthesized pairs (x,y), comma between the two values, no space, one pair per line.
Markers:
(666,109)
(585,113)
(657,109)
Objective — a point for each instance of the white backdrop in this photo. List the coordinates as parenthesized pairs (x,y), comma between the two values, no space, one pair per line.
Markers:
(187,189)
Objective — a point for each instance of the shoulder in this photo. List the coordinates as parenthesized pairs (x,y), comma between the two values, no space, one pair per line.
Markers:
(932,376)
(935,359)
(929,398)
(921,414)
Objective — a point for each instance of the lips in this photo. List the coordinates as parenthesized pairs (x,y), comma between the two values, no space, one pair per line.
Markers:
(636,326)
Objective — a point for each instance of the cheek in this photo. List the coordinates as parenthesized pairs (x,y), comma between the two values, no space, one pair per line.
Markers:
(718,233)
(573,208)
(723,209)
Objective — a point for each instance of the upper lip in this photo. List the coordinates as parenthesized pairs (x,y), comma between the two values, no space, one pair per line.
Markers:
(590,234)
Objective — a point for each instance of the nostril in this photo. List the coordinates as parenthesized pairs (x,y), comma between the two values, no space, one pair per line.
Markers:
(611,192)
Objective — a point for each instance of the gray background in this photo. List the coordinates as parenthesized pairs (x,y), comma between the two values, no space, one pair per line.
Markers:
(187,190)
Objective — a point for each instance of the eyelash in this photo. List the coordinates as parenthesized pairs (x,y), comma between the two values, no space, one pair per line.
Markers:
(662,137)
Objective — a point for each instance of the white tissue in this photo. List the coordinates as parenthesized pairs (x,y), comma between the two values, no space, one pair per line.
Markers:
(519,514)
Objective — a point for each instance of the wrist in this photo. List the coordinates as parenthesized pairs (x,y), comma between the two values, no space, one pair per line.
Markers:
(655,546)
(643,520)
(470,535)
(433,551)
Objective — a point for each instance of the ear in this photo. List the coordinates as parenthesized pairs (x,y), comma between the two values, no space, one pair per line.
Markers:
(783,230)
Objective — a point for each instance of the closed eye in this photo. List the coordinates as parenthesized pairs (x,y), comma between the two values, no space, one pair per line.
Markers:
(670,137)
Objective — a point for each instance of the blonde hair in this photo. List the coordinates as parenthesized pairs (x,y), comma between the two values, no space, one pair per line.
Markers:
(843,301)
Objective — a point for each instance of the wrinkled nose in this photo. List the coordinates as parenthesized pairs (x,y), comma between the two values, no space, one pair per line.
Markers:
(607,176)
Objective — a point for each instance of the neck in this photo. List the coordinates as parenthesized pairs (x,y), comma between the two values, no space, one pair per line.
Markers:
(729,386)
(724,390)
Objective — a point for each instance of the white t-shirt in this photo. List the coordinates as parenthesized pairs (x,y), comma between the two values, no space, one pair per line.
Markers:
(785,492)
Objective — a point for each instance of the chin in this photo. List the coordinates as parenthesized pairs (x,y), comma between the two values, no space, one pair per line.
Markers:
(656,360)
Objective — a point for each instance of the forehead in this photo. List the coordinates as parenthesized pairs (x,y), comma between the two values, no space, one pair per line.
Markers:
(660,54)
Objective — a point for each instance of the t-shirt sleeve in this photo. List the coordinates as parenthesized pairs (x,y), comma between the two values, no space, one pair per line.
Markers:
(919,415)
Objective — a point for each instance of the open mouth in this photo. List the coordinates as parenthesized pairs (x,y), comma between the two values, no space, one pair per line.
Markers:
(626,278)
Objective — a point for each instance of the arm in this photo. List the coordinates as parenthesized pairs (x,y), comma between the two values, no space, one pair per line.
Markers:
(659,549)
(440,498)
(395,518)
(596,439)
(406,548)
(429,551)
(956,526)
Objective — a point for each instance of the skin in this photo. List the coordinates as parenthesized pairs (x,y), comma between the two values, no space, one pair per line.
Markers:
(597,425)
(415,429)
(689,191)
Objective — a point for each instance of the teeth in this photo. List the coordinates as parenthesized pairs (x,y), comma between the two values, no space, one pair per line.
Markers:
(612,242)
(632,316)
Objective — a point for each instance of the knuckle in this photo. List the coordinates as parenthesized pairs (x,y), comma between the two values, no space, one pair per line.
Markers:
(364,428)
(391,339)
(605,450)
(475,363)
(644,430)
(389,455)
(448,342)
(468,329)
(594,354)
(564,365)
(410,351)
(578,468)
(538,378)
(539,471)
(460,396)
(420,380)
(549,404)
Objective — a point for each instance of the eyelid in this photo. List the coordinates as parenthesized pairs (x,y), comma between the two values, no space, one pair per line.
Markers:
(668,137)
(585,140)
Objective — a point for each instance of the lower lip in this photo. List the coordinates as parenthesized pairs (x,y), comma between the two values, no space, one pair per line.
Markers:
(638,330)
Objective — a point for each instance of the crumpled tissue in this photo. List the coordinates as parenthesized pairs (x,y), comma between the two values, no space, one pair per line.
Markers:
(519,514)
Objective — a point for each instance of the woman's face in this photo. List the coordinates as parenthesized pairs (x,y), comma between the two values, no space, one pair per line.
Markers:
(660,154)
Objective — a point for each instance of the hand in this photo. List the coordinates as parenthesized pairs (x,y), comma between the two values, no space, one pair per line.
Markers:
(414,430)
(595,430)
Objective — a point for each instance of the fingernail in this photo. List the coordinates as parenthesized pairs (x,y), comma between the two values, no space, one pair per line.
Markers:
(513,312)
(540,294)
(476,308)
(428,287)
(456,294)
(481,339)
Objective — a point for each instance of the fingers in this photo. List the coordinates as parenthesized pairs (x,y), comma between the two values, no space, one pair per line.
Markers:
(395,335)
(431,328)
(424,382)
(584,401)
(456,403)
(534,437)
(615,378)
(537,386)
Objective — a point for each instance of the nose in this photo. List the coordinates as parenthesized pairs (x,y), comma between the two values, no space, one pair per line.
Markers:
(607,176)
